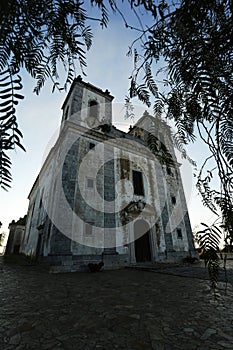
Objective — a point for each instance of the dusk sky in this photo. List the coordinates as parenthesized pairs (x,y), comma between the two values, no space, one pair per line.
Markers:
(39,118)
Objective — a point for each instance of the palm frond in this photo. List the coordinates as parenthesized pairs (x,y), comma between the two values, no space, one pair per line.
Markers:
(208,239)
(10,84)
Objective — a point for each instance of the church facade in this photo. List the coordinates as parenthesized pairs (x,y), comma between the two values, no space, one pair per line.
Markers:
(106,195)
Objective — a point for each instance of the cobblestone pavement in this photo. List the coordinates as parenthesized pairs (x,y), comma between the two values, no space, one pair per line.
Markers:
(196,270)
(126,309)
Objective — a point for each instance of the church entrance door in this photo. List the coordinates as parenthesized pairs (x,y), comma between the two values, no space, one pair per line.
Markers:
(142,243)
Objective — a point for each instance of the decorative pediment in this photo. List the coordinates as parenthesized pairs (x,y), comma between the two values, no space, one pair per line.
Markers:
(137,208)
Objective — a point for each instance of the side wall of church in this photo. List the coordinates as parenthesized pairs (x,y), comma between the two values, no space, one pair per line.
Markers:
(36,241)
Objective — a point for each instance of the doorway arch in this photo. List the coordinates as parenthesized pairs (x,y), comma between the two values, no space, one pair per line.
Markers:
(142,244)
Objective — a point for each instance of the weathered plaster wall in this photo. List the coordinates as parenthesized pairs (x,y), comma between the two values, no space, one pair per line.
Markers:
(62,201)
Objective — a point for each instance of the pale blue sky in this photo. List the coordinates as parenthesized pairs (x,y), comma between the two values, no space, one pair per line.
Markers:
(39,119)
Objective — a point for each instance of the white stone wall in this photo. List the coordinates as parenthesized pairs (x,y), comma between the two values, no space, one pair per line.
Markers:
(31,232)
(125,194)
(61,197)
(40,199)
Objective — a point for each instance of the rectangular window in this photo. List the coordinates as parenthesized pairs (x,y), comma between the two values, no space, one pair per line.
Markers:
(169,171)
(90,183)
(179,233)
(173,199)
(88,229)
(138,183)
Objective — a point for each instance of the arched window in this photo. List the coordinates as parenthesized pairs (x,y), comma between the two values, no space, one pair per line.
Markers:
(93,108)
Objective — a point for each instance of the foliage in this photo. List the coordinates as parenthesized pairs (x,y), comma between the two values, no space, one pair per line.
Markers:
(159,149)
(193,38)
(208,239)
(10,83)
(39,37)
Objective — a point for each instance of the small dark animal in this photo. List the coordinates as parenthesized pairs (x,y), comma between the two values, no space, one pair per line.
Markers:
(95,267)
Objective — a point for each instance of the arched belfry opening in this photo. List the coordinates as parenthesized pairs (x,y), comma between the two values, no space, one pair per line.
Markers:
(93,109)
(142,244)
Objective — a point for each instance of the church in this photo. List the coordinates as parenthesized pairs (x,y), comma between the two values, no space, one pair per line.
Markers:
(105,195)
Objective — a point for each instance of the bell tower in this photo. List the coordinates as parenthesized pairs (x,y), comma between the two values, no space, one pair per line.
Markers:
(87,105)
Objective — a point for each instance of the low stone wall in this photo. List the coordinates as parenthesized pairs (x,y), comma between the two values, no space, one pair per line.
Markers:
(74,263)
(229,256)
(176,256)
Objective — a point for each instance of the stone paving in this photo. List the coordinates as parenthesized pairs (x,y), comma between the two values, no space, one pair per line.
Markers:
(196,270)
(125,309)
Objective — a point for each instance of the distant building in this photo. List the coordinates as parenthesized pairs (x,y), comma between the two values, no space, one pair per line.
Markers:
(2,245)
(15,236)
(105,195)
